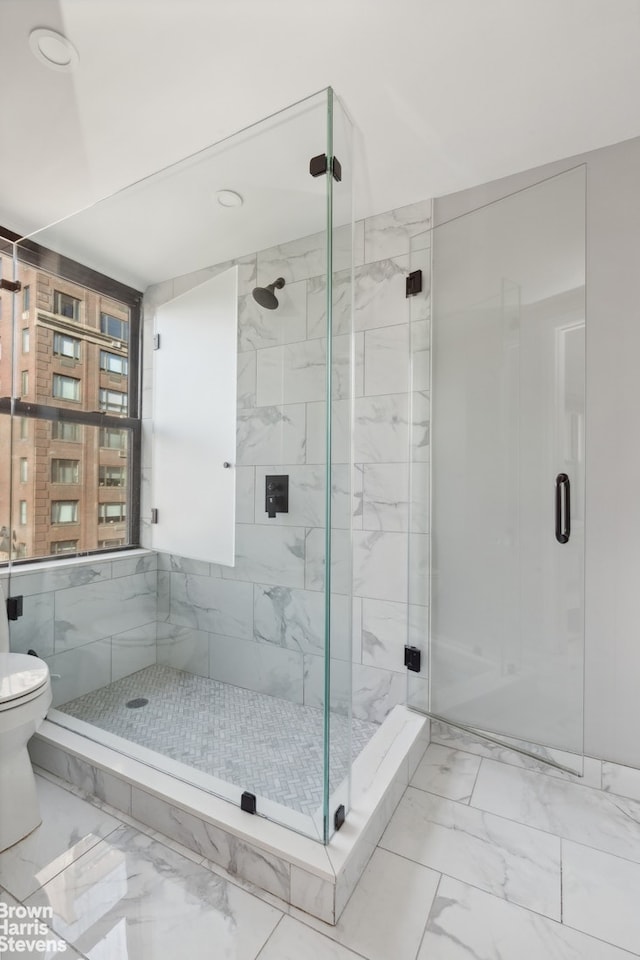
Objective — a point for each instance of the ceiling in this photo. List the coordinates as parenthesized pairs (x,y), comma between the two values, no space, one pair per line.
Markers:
(445,93)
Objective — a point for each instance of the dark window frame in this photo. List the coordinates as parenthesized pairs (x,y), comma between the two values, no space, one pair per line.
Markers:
(42,258)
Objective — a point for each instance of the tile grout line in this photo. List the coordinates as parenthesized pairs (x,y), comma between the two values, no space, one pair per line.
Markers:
(426,924)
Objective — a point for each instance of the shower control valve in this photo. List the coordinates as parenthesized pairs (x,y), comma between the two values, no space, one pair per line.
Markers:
(276,498)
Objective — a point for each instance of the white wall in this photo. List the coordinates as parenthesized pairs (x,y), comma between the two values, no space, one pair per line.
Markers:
(612,654)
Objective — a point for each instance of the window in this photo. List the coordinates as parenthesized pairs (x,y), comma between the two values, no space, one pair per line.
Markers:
(66,431)
(23,511)
(64,511)
(113,363)
(113,400)
(65,346)
(65,471)
(117,542)
(24,428)
(112,476)
(66,306)
(112,512)
(64,546)
(113,327)
(66,388)
(26,298)
(24,469)
(114,439)
(24,383)
(25,340)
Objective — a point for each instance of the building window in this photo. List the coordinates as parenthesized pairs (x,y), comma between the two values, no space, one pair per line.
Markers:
(24,428)
(25,340)
(24,383)
(64,546)
(66,388)
(64,346)
(66,306)
(71,432)
(106,544)
(23,512)
(64,511)
(24,469)
(113,327)
(65,471)
(112,512)
(26,298)
(113,363)
(112,476)
(113,401)
(114,439)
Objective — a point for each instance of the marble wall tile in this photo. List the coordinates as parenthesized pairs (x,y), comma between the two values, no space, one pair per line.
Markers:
(294,373)
(385,496)
(384,634)
(624,781)
(380,565)
(60,577)
(420,355)
(258,328)
(133,650)
(341,573)
(87,613)
(246,386)
(295,619)
(34,630)
(466,923)
(600,895)
(387,360)
(128,566)
(419,553)
(80,670)
(264,667)
(163,600)
(340,682)
(178,564)
(356,632)
(381,429)
(307,495)
(245,494)
(376,692)
(313,895)
(420,438)
(73,770)
(379,293)
(504,858)
(212,605)
(183,648)
(265,434)
(317,304)
(340,432)
(398,231)
(295,260)
(419,501)
(266,554)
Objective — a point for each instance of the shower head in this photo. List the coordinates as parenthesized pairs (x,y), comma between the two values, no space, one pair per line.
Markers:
(265,295)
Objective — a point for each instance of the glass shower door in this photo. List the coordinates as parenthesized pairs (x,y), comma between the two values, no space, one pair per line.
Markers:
(508,412)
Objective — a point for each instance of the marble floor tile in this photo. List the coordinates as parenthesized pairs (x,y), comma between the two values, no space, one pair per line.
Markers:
(582,814)
(133,897)
(386,914)
(293,940)
(53,945)
(449,773)
(70,826)
(600,895)
(623,781)
(507,859)
(467,924)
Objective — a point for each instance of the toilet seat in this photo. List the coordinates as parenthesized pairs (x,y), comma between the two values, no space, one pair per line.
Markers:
(22,678)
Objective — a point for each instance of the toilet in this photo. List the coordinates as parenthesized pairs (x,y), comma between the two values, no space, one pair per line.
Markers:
(25,697)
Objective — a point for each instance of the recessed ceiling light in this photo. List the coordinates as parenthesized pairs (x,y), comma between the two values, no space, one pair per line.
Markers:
(53,49)
(229,198)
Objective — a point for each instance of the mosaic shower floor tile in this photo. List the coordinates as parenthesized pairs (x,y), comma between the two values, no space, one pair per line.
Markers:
(271,747)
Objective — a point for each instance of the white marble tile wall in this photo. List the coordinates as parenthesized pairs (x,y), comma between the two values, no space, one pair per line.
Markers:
(93,622)
(260,623)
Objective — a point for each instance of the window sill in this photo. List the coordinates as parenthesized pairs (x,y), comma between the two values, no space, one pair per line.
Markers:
(35,566)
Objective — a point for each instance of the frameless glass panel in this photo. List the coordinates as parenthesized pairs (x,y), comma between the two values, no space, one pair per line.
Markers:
(6,372)
(508,467)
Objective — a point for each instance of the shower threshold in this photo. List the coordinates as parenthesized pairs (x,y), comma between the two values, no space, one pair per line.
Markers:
(278,859)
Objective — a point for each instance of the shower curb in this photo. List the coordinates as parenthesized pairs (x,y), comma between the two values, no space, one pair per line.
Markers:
(300,871)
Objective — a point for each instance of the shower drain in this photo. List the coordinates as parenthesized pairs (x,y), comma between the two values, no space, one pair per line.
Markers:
(137,702)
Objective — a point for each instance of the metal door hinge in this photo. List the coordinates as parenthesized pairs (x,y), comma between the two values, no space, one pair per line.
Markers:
(320,164)
(156,341)
(154,515)
(339,817)
(412,658)
(14,607)
(414,283)
(12,285)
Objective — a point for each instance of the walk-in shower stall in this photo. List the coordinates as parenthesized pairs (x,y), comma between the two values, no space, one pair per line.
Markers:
(222,445)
